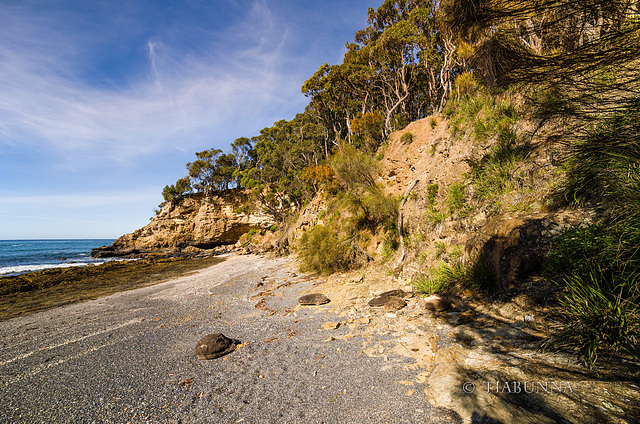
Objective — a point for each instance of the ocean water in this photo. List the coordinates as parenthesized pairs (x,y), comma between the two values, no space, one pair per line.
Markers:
(20,256)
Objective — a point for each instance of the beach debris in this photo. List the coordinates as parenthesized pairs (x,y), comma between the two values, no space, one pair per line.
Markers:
(314,299)
(436,304)
(214,346)
(391,300)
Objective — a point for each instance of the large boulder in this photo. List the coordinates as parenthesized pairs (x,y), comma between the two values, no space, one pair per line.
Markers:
(512,246)
(214,346)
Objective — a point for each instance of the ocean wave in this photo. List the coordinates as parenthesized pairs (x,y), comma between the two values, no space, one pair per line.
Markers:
(20,269)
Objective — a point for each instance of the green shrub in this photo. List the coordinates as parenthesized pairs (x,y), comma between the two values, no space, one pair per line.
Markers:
(407,138)
(453,271)
(355,171)
(441,278)
(327,249)
(379,208)
(581,250)
(599,317)
(493,175)
(433,123)
(273,228)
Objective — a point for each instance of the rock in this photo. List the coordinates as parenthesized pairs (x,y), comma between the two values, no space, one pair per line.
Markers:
(314,299)
(214,346)
(330,325)
(391,300)
(397,292)
(394,304)
(511,246)
(436,304)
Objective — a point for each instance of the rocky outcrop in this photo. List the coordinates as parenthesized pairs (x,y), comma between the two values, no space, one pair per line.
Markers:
(194,223)
(514,245)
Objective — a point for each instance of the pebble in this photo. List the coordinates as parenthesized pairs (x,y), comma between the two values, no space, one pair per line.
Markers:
(330,325)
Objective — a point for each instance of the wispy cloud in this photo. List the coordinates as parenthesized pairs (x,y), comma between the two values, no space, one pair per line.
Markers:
(183,98)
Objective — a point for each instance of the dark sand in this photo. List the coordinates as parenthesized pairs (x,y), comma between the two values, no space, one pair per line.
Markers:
(129,357)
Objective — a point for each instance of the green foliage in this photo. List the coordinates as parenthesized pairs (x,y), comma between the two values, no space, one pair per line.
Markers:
(453,271)
(435,217)
(244,209)
(390,244)
(581,250)
(172,193)
(455,198)
(433,123)
(368,131)
(465,85)
(484,115)
(273,228)
(494,174)
(434,282)
(605,171)
(407,138)
(441,249)
(328,249)
(356,171)
(602,314)
(442,277)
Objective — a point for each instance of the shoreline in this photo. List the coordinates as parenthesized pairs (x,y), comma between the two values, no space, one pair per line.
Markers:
(38,291)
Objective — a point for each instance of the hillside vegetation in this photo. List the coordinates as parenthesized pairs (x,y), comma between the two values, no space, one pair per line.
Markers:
(545,95)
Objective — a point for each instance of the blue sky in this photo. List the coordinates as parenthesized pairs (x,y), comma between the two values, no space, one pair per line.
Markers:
(103,102)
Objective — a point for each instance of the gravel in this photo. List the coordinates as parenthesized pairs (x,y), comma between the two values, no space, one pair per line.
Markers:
(129,357)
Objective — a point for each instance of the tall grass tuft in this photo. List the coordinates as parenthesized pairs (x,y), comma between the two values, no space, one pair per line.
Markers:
(602,315)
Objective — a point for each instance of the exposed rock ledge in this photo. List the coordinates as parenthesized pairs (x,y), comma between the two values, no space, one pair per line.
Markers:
(192,224)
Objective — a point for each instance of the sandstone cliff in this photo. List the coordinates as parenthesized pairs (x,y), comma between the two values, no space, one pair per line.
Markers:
(192,224)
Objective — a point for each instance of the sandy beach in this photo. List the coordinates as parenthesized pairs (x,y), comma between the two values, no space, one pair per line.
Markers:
(129,358)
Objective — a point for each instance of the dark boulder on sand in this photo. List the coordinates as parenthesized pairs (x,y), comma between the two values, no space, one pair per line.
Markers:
(214,346)
(314,299)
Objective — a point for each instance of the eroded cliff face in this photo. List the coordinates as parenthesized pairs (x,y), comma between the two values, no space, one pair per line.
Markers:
(194,223)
